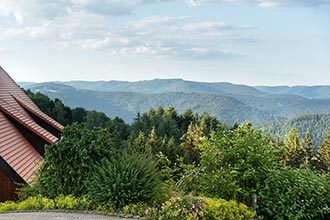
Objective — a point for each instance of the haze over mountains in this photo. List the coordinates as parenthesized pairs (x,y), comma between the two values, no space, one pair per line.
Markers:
(228,102)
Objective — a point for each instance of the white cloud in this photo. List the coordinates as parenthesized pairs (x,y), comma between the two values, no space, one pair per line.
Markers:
(291,3)
(157,21)
(154,36)
(204,26)
(138,50)
(201,2)
(81,25)
(10,7)
(36,32)
(263,3)
(20,10)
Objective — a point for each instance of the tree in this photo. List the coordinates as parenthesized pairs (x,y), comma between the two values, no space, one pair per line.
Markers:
(190,142)
(96,119)
(139,143)
(78,114)
(308,150)
(294,153)
(324,153)
(152,144)
(234,163)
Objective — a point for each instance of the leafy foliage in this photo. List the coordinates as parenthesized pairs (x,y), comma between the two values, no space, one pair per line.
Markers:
(68,162)
(190,207)
(220,209)
(42,203)
(234,163)
(290,193)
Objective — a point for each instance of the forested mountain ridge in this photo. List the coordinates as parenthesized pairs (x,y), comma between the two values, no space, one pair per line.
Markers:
(180,85)
(127,104)
(317,124)
(165,85)
(228,102)
(310,92)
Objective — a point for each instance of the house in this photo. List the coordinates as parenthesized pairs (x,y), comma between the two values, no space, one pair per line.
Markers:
(24,131)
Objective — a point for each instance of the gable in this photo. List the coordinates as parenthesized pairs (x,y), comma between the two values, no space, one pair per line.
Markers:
(24,130)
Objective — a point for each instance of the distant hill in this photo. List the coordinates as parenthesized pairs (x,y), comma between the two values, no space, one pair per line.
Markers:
(318,124)
(310,92)
(25,84)
(165,85)
(229,102)
(127,104)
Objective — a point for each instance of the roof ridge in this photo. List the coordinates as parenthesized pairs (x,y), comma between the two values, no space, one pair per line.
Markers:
(37,112)
(27,123)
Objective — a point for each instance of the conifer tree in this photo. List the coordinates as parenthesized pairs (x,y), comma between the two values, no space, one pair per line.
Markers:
(153,143)
(278,142)
(294,154)
(139,142)
(190,143)
(324,153)
(308,149)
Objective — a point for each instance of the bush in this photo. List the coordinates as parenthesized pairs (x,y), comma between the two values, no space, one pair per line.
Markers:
(220,209)
(40,203)
(68,163)
(234,163)
(177,208)
(189,207)
(290,193)
(72,203)
(127,178)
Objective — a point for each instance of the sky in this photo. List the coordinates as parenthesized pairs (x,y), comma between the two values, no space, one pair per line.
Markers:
(252,42)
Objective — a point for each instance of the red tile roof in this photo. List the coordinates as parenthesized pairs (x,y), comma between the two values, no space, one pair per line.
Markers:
(16,109)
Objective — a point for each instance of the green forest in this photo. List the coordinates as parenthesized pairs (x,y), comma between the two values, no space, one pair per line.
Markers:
(169,165)
(228,102)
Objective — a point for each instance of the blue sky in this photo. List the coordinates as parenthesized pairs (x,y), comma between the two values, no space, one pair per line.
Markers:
(254,42)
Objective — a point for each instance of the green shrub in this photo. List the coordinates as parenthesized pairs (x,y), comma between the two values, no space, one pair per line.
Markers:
(72,203)
(234,163)
(68,163)
(135,209)
(126,179)
(189,207)
(8,206)
(290,193)
(36,203)
(177,208)
(39,203)
(220,209)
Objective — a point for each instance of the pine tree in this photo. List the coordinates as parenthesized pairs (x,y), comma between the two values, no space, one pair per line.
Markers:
(324,153)
(139,142)
(278,142)
(308,149)
(294,154)
(153,143)
(190,143)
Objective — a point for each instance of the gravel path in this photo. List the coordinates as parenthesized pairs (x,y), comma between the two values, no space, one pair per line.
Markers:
(55,216)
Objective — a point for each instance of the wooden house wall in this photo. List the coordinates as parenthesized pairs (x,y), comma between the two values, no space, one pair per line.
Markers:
(7,188)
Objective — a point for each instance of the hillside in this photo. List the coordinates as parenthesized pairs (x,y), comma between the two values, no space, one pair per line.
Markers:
(165,85)
(318,124)
(127,104)
(310,92)
(228,102)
